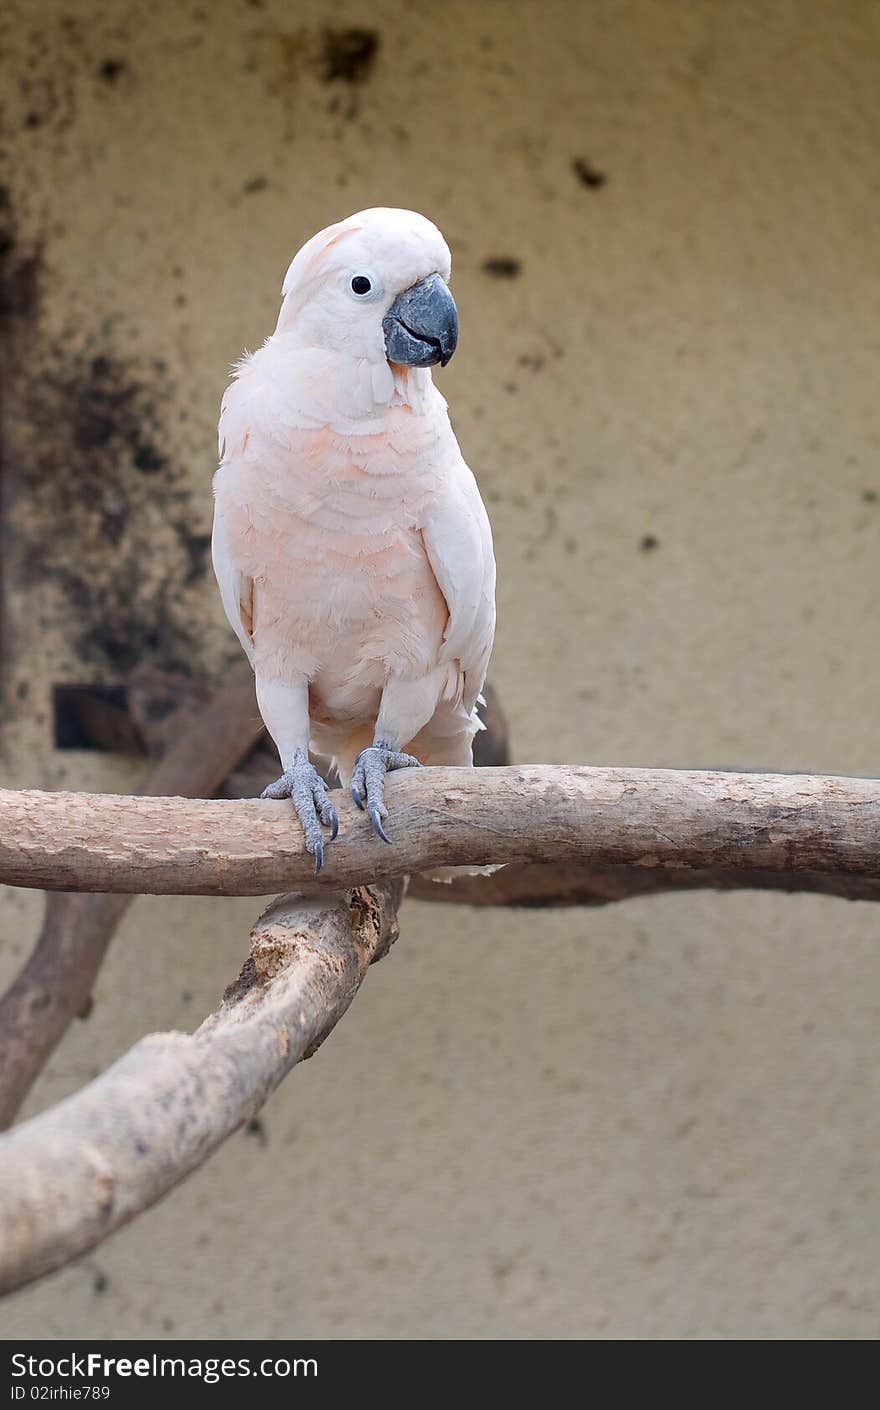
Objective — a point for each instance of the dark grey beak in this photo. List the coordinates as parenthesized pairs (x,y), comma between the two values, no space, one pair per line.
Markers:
(421,326)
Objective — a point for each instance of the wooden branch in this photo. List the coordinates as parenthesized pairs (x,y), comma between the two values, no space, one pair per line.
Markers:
(725,824)
(570,884)
(53,987)
(57,980)
(71,1176)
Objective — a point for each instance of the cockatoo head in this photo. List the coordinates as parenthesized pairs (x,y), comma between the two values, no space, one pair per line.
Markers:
(374,286)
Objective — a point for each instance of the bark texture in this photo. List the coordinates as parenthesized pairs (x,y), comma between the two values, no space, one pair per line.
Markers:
(71,1176)
(652,820)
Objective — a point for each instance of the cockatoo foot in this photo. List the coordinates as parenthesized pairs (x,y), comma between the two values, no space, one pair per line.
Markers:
(307,791)
(368,781)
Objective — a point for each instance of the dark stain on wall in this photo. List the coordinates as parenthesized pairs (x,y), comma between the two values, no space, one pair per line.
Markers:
(110,71)
(502,267)
(20,266)
(97,504)
(102,532)
(46,89)
(587,174)
(347,55)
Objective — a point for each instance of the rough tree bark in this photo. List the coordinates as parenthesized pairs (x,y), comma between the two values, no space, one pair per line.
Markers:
(71,1176)
(723,824)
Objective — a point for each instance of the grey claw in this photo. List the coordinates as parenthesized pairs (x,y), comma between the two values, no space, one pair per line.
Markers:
(326,811)
(368,781)
(377,825)
(302,784)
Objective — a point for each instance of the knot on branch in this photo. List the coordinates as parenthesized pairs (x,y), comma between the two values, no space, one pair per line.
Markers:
(369,914)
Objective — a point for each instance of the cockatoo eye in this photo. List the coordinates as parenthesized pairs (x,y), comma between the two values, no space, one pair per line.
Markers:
(361,285)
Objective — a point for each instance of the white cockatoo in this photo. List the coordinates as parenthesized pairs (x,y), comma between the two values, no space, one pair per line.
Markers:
(351,545)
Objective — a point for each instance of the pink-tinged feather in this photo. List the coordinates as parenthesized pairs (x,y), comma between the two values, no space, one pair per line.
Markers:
(352,548)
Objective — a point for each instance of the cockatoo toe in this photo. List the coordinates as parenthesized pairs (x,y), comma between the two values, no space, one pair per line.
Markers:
(307,791)
(368,781)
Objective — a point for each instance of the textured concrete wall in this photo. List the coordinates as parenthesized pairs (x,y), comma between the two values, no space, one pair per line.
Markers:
(654,1122)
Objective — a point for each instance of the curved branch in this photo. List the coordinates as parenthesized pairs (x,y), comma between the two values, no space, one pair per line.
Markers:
(726,824)
(71,1176)
(57,979)
(54,986)
(568,884)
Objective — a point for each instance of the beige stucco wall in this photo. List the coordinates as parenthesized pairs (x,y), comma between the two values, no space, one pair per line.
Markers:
(658,1121)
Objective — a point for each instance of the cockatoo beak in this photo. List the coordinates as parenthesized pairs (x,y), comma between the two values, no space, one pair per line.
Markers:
(421,326)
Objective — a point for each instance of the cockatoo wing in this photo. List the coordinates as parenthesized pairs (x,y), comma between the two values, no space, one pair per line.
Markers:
(458,542)
(236,590)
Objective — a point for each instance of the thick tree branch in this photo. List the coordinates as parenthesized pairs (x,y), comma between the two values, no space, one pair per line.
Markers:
(71,1176)
(723,824)
(570,884)
(56,982)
